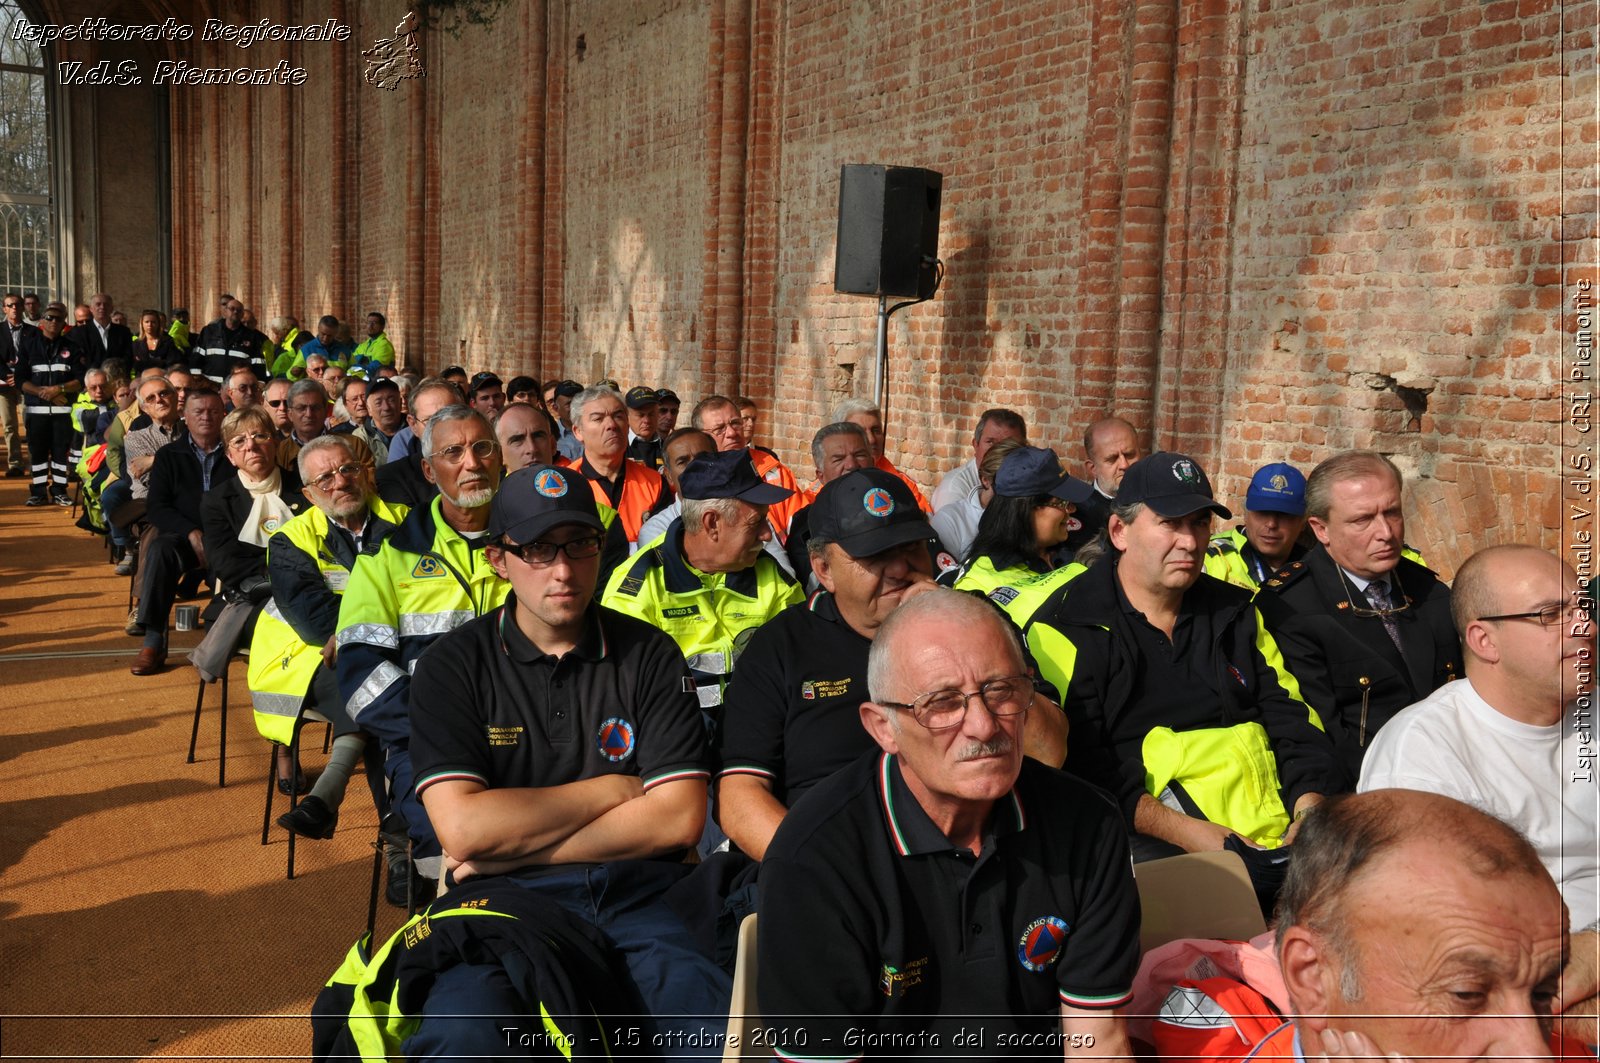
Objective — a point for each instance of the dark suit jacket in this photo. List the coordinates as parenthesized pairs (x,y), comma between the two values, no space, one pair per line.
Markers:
(8,351)
(222,515)
(176,490)
(1348,667)
(86,338)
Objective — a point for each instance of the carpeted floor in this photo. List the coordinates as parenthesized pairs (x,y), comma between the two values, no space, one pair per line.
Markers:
(142,917)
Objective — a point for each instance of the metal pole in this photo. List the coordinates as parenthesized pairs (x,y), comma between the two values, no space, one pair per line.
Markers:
(880,383)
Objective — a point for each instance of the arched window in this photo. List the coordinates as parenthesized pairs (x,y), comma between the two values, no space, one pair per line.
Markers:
(27,205)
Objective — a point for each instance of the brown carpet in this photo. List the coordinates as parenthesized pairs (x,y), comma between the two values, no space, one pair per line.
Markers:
(142,918)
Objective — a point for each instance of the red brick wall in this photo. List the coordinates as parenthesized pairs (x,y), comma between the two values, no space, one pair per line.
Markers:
(1260,228)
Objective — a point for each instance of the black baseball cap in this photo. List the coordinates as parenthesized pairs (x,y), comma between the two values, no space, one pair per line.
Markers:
(568,388)
(730,474)
(663,394)
(1173,485)
(1029,471)
(522,383)
(535,499)
(608,383)
(482,380)
(640,397)
(380,385)
(867,512)
(451,370)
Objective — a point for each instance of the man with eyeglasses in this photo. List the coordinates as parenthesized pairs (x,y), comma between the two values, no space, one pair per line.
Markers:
(49,372)
(308,419)
(1365,629)
(943,895)
(709,581)
(292,651)
(275,396)
(15,335)
(792,715)
(244,389)
(1178,700)
(555,742)
(1512,735)
(430,577)
(718,417)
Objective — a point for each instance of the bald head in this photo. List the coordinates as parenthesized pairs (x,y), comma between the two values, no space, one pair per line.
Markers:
(1476,591)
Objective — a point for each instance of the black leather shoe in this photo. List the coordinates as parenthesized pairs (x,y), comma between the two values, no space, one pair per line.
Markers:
(311,818)
(394,888)
(298,785)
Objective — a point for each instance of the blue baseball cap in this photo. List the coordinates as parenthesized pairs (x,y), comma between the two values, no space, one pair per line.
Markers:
(729,474)
(1029,471)
(1277,488)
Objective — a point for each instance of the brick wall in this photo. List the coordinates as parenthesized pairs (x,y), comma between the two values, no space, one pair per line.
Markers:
(1263,228)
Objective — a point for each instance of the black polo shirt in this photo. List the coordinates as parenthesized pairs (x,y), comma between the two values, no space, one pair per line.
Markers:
(879,938)
(490,706)
(791,712)
(1176,685)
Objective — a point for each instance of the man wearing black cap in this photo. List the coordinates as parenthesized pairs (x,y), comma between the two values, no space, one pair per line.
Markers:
(558,396)
(793,715)
(557,741)
(644,439)
(1179,703)
(486,394)
(667,406)
(709,582)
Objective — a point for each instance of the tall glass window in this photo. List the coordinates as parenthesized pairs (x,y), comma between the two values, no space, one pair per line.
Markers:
(27,209)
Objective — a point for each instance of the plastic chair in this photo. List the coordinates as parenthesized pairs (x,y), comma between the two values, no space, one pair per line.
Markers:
(1196,895)
(306,716)
(743,1017)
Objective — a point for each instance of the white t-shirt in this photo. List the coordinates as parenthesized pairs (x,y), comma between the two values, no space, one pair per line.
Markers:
(955,487)
(957,525)
(1541,780)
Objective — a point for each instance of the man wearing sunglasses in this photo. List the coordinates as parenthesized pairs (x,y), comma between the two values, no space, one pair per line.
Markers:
(1178,702)
(558,742)
(49,372)
(942,893)
(430,577)
(1365,629)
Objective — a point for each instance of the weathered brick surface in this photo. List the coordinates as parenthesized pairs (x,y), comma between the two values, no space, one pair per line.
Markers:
(1262,228)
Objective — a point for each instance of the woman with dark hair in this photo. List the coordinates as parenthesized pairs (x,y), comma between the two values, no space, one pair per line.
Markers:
(1028,517)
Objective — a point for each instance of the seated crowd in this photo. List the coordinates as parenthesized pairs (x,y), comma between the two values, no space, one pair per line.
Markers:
(631,682)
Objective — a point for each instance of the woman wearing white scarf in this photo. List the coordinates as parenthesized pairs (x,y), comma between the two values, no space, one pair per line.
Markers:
(238,516)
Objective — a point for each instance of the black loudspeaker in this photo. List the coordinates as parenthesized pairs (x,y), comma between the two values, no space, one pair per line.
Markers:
(888,231)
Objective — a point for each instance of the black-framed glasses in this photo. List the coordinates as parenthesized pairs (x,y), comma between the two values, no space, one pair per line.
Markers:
(1549,615)
(277,404)
(940,710)
(458,452)
(542,553)
(349,470)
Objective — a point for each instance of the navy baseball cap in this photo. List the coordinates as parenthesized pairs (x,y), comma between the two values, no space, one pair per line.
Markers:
(380,385)
(1173,485)
(568,388)
(866,512)
(483,380)
(1028,471)
(639,397)
(730,474)
(533,500)
(1277,488)
(664,394)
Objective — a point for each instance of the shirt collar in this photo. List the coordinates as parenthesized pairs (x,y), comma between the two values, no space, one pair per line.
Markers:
(591,647)
(680,577)
(910,829)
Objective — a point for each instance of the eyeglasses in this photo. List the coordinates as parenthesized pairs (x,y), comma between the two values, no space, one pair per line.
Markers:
(1549,616)
(164,395)
(55,320)
(250,439)
(349,470)
(725,426)
(539,553)
(277,404)
(1368,610)
(940,710)
(249,389)
(458,452)
(1052,502)
(13,306)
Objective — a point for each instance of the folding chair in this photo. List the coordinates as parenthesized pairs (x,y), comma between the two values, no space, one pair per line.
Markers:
(743,1017)
(306,716)
(1196,895)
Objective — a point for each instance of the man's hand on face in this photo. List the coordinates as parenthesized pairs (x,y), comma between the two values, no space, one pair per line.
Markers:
(1577,1007)
(1349,1047)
